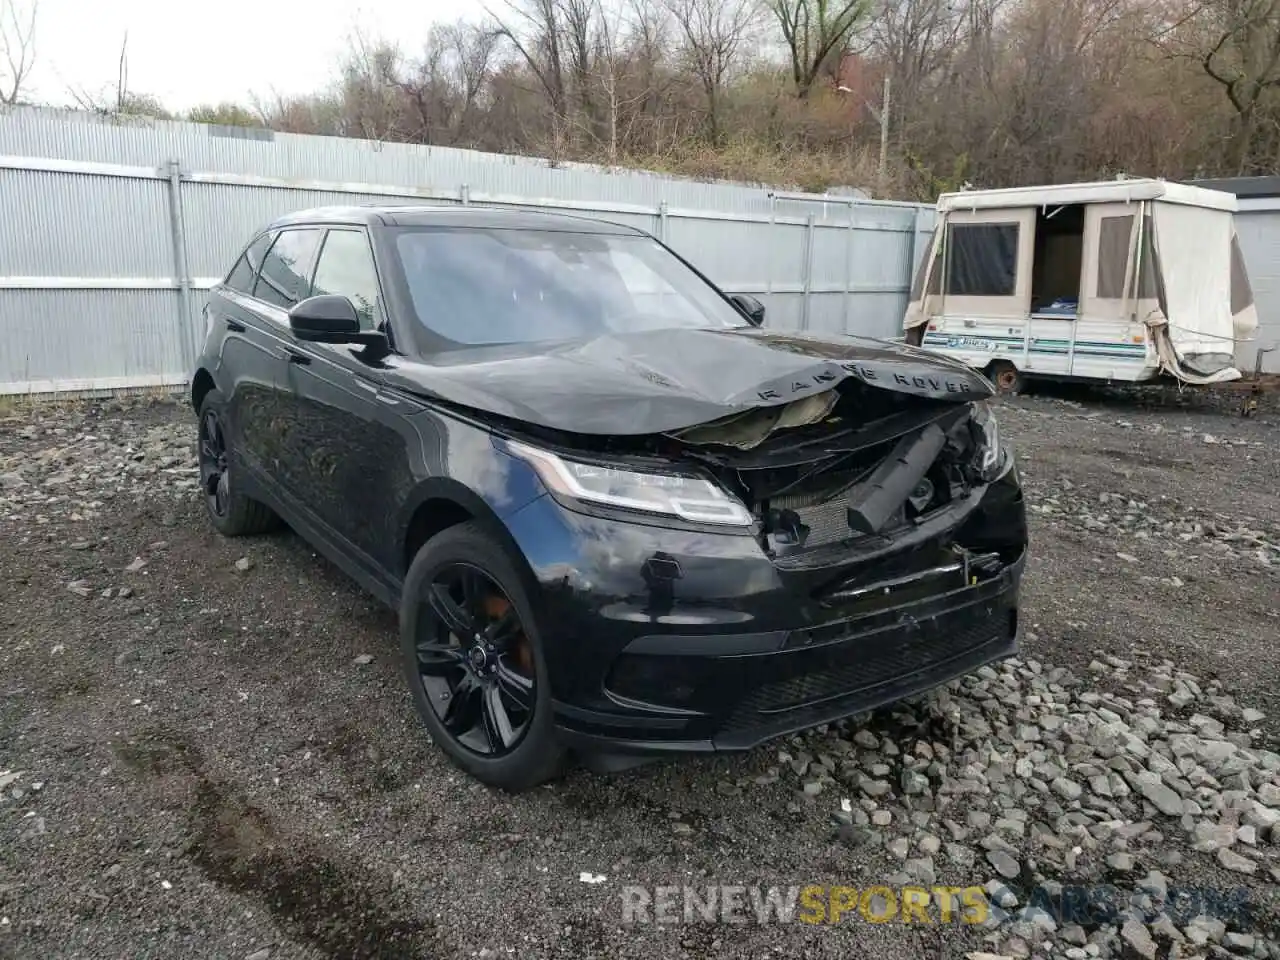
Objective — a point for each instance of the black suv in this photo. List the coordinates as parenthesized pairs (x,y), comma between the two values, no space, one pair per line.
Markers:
(616,516)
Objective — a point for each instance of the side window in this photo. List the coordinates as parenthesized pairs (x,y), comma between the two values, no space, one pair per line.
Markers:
(1114,235)
(982,260)
(346,267)
(283,280)
(242,274)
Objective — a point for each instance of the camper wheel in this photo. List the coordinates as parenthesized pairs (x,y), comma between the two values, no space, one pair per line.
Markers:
(1005,376)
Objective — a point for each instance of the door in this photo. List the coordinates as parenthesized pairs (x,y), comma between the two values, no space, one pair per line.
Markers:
(1109,340)
(253,363)
(351,466)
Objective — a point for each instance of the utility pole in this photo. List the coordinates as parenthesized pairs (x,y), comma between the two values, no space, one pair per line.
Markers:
(884,138)
(883,116)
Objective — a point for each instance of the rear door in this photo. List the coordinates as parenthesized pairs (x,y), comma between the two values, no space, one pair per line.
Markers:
(252,363)
(267,412)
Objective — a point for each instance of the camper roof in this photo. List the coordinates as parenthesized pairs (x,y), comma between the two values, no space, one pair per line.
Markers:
(1106,191)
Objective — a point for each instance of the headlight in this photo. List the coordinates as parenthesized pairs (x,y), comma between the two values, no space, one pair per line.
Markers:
(991,459)
(685,496)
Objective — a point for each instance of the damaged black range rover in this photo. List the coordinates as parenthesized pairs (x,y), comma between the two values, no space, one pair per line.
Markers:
(616,516)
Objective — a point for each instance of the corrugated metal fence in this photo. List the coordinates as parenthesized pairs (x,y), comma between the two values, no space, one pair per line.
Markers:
(111,232)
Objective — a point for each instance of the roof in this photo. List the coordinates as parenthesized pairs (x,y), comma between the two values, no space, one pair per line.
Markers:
(1106,191)
(472,216)
(1243,187)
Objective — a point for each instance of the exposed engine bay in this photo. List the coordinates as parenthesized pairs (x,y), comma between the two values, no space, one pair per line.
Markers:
(854,461)
(857,461)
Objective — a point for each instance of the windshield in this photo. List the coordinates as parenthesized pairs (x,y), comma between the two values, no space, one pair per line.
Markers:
(477,286)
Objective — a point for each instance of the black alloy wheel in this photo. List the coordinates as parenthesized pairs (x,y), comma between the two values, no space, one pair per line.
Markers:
(474,661)
(214,478)
(232,513)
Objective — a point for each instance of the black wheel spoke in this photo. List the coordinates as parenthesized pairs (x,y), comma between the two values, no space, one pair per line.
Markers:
(221,494)
(437,659)
(515,686)
(215,433)
(459,622)
(474,590)
(497,723)
(462,710)
(213,469)
(502,630)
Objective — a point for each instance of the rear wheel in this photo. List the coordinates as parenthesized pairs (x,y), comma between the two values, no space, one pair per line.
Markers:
(231,512)
(473,659)
(1005,376)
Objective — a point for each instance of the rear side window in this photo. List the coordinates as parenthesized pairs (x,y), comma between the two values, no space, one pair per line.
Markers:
(982,260)
(346,268)
(284,277)
(1114,236)
(243,273)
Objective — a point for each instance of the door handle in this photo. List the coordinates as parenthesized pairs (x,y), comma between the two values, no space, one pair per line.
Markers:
(237,327)
(301,359)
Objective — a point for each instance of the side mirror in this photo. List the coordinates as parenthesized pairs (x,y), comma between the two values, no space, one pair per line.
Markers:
(326,319)
(751,308)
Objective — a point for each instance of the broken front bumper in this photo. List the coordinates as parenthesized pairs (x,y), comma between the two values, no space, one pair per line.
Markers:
(660,640)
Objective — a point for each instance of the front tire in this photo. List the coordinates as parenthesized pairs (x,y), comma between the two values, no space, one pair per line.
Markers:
(231,512)
(473,659)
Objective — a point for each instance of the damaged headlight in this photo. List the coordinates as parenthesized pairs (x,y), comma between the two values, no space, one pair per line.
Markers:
(685,496)
(991,458)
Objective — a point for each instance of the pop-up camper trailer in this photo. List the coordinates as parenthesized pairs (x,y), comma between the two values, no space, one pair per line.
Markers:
(1120,280)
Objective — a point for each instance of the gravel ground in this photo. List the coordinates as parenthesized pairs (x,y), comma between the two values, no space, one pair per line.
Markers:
(206,749)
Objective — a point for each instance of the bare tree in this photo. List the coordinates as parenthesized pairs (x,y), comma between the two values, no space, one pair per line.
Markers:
(536,31)
(17,48)
(915,39)
(117,100)
(444,85)
(472,51)
(713,31)
(1243,56)
(371,102)
(650,28)
(816,32)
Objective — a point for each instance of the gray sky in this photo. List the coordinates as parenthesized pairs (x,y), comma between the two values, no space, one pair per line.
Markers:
(187,53)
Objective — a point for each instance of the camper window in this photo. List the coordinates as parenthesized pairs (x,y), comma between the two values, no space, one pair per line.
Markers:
(1114,234)
(982,259)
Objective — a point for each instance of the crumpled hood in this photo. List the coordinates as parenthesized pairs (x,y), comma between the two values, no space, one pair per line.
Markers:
(663,380)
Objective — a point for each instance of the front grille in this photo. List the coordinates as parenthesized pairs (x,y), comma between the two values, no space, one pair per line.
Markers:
(858,668)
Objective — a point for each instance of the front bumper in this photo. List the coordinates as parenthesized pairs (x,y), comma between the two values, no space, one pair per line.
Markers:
(661,641)
(860,663)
